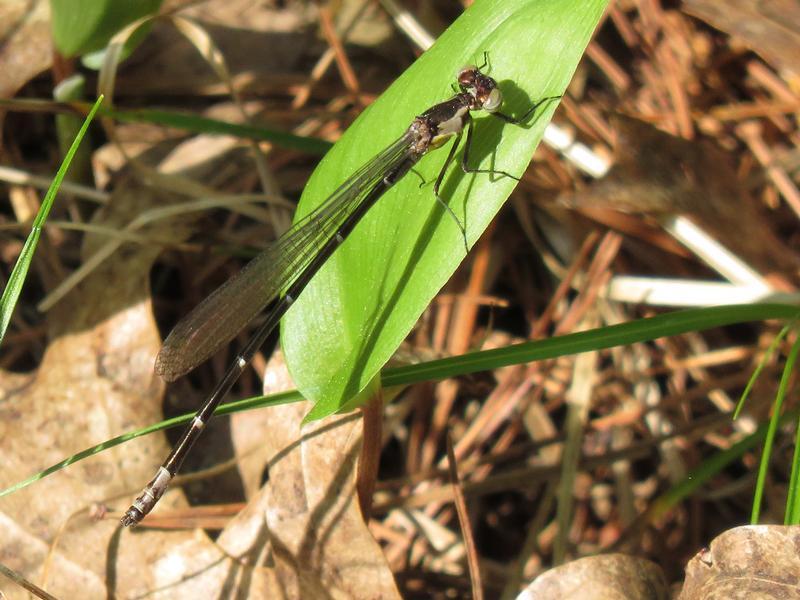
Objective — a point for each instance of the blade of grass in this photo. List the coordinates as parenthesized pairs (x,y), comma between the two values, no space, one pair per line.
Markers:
(199,124)
(17,279)
(674,323)
(773,347)
(710,467)
(606,337)
(179,120)
(793,495)
(81,26)
(774,421)
(225,409)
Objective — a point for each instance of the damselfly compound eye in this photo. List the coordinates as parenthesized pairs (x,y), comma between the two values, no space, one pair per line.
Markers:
(494,100)
(465,69)
(466,76)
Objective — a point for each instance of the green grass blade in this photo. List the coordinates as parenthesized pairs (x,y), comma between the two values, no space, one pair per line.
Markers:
(225,409)
(642,330)
(365,300)
(710,467)
(772,429)
(17,279)
(179,120)
(793,496)
(773,347)
(81,26)
(606,337)
(200,124)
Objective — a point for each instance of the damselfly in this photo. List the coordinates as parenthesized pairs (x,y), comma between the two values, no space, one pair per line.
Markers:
(277,276)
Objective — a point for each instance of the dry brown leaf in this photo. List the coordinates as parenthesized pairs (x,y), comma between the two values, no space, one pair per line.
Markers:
(27,47)
(257,40)
(248,428)
(302,535)
(320,541)
(95,381)
(605,577)
(658,173)
(755,561)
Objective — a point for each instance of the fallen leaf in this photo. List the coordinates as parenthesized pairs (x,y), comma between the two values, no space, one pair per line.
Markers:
(754,561)
(605,577)
(27,49)
(95,381)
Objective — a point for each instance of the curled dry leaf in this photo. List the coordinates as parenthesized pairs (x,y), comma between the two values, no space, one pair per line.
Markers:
(27,48)
(320,545)
(756,561)
(302,535)
(605,577)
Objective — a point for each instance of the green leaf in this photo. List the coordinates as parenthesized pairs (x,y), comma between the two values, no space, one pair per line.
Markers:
(81,26)
(366,299)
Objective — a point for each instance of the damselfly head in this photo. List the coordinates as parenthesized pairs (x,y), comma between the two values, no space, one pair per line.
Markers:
(481,87)
(493,100)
